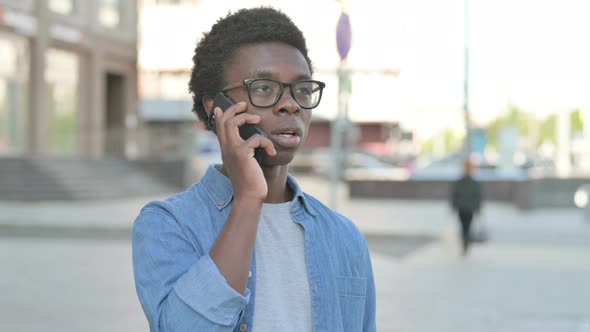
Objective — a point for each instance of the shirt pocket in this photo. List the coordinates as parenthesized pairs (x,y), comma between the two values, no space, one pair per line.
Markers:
(351,294)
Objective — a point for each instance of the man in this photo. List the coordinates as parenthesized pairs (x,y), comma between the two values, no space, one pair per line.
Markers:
(466,201)
(245,249)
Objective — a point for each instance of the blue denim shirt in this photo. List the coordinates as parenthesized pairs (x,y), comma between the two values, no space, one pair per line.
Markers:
(181,289)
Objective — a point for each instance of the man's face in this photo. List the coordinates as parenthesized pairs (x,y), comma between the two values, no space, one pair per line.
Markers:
(285,123)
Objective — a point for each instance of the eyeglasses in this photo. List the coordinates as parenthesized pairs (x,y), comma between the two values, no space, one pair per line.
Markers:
(264,92)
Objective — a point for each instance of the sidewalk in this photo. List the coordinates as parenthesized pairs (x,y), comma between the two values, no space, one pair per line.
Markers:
(556,236)
(531,275)
(398,217)
(104,215)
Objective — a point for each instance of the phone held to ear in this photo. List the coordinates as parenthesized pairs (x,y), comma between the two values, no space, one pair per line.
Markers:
(246,131)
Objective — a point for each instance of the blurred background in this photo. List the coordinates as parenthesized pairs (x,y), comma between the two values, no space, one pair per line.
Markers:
(95,121)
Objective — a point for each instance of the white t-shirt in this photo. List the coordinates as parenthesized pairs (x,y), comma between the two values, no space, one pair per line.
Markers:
(283,300)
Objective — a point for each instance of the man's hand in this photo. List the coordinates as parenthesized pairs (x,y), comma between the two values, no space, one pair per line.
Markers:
(238,155)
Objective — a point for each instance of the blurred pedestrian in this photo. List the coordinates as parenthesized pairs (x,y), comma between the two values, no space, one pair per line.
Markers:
(466,202)
(245,248)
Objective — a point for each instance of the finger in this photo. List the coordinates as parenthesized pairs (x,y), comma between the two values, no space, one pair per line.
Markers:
(223,116)
(230,112)
(232,126)
(258,141)
(234,109)
(242,119)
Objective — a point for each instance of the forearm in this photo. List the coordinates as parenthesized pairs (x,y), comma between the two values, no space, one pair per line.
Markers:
(232,251)
(177,315)
(179,289)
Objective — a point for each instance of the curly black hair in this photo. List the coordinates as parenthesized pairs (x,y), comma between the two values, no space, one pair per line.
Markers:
(216,48)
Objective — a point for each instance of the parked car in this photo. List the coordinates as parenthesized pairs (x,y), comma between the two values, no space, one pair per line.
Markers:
(356,163)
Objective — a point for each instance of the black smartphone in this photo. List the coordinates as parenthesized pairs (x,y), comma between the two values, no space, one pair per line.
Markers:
(246,131)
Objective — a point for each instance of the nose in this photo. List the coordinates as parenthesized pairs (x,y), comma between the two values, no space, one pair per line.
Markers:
(287,103)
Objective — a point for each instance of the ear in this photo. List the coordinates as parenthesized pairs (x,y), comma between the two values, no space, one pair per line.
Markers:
(207,103)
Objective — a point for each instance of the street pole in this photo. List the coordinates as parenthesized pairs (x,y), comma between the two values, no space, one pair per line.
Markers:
(336,141)
(343,39)
(467,144)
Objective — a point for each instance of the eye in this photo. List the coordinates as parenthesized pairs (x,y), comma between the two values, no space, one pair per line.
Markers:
(263,88)
(304,89)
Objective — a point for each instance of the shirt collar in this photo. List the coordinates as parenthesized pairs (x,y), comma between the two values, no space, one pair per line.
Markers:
(299,198)
(220,192)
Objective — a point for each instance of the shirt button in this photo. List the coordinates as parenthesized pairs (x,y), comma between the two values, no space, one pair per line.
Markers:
(220,203)
(249,274)
(243,327)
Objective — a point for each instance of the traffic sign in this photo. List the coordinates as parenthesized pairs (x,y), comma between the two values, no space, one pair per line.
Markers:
(343,35)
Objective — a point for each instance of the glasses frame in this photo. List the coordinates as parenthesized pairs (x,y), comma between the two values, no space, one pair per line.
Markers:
(248,82)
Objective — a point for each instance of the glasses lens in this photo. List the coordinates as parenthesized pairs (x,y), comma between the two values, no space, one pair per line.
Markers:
(264,93)
(307,93)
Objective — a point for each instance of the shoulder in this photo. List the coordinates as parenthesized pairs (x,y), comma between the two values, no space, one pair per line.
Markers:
(339,240)
(463,182)
(173,209)
(471,181)
(334,222)
(173,204)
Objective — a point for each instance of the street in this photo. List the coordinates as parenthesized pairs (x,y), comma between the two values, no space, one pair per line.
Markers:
(67,284)
(531,275)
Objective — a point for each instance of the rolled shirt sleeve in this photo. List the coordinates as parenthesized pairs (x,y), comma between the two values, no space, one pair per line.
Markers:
(179,288)
(369,318)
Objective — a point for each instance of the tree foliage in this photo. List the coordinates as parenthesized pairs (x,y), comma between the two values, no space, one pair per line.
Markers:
(576,121)
(538,130)
(451,141)
(548,131)
(514,118)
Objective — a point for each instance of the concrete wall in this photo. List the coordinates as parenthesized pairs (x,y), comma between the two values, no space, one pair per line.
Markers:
(528,194)
(553,192)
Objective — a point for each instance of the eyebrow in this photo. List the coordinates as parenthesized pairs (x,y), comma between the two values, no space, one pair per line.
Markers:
(272,75)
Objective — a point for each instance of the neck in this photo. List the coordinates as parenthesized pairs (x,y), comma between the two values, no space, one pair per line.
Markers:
(276,179)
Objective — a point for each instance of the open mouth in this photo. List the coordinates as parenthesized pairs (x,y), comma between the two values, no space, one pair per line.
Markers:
(293,131)
(288,134)
(288,137)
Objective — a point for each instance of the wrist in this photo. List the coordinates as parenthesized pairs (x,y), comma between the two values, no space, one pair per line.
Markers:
(249,197)
(248,203)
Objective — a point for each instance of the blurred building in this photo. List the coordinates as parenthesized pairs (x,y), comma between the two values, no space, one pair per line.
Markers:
(168,32)
(374,137)
(68,78)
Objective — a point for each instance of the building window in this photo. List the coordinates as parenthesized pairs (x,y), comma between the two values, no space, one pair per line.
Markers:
(174,85)
(62,102)
(14,72)
(63,7)
(109,13)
